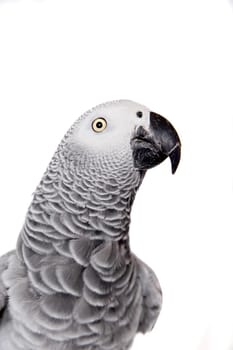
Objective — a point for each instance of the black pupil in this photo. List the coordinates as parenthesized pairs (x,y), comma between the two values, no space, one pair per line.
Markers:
(139,114)
(99,125)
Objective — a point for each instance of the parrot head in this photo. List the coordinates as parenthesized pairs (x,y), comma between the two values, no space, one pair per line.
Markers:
(123,134)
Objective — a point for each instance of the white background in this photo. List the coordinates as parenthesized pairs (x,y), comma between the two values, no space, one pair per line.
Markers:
(60,58)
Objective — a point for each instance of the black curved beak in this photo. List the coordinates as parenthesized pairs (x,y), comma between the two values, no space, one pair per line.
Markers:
(151,147)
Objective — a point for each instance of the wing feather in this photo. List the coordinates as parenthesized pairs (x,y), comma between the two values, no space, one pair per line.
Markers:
(4,261)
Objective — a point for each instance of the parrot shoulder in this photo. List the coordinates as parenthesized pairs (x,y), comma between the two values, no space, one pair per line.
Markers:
(4,262)
(151,297)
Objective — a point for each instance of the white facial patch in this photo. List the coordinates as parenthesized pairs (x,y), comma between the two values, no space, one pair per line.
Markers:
(121,118)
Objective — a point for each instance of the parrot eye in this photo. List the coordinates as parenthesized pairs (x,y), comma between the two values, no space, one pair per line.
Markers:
(99,124)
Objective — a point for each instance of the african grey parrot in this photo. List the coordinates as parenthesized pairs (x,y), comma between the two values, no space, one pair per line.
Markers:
(73,283)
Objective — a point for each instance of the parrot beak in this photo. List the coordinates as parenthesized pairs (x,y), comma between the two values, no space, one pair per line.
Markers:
(151,147)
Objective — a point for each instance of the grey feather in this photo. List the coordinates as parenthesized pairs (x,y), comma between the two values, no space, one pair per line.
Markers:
(73,282)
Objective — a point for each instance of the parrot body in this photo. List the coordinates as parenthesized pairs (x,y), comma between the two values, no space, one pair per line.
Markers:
(73,283)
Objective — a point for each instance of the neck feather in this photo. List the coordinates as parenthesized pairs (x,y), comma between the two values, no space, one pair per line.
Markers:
(79,201)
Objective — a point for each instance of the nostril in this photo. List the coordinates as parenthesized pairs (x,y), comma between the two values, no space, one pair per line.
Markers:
(139,114)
